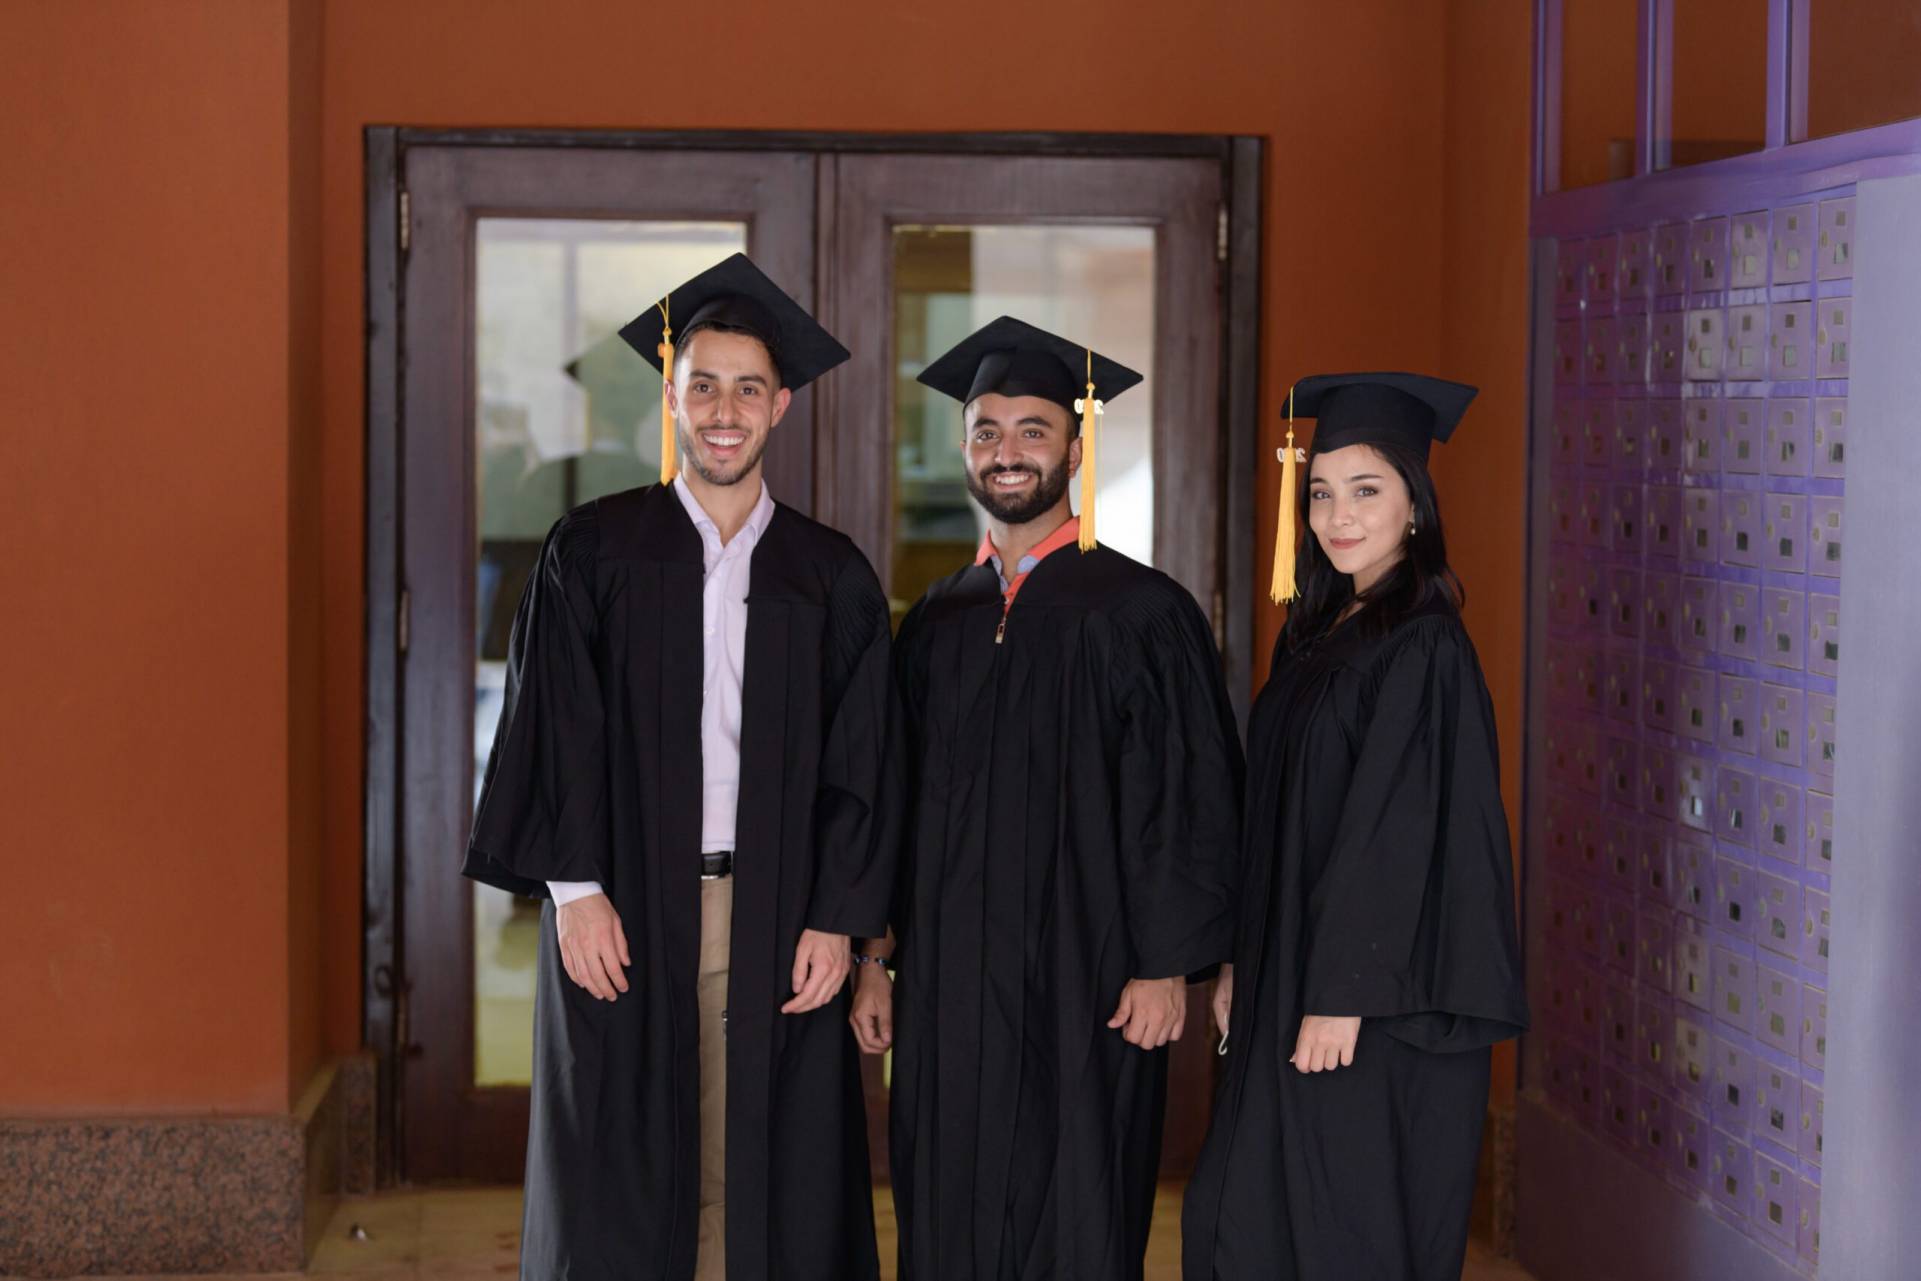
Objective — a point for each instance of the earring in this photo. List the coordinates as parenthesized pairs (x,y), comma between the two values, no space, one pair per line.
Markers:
(1410,529)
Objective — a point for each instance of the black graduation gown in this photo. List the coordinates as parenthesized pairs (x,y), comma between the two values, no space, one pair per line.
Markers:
(1379,884)
(596,775)
(1075,827)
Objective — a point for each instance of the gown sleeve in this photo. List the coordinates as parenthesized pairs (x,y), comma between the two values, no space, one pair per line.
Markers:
(857,807)
(1178,793)
(1412,919)
(543,802)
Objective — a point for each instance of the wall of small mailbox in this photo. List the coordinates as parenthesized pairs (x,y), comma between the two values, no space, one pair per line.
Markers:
(1697,467)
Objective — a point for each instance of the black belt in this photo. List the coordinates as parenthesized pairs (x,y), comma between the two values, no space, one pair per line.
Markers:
(716,865)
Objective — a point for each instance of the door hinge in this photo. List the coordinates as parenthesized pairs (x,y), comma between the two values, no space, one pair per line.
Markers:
(404,621)
(1220,235)
(406,219)
(404,1045)
(1220,621)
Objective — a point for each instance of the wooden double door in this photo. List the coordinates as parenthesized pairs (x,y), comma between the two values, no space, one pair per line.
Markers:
(500,267)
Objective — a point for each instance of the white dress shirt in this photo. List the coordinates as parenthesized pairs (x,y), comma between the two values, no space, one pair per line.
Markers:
(723,665)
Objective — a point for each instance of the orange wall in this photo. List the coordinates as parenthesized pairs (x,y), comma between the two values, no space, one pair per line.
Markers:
(308,962)
(1482,472)
(192,938)
(1597,87)
(1720,72)
(144,382)
(1348,94)
(1864,65)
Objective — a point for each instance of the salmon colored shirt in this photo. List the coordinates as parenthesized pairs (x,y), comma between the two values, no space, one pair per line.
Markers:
(1010,587)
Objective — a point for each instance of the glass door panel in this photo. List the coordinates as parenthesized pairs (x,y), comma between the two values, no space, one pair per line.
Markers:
(564,412)
(519,401)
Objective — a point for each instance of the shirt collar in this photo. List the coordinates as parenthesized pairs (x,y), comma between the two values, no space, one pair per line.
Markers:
(1069,532)
(757,519)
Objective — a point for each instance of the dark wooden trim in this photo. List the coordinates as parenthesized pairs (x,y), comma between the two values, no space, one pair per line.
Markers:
(1241,412)
(1190,146)
(477,1150)
(437,530)
(380,937)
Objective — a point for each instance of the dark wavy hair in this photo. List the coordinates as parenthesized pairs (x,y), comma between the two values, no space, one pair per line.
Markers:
(1421,575)
(722,327)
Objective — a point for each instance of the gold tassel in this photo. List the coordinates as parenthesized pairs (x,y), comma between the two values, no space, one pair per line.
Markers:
(1283,588)
(668,467)
(1089,409)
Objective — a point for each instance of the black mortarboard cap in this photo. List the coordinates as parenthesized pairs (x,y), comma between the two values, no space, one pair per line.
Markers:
(737,293)
(1359,409)
(1354,409)
(1013,358)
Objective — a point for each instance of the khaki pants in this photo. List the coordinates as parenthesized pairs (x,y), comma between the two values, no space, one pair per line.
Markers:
(716,933)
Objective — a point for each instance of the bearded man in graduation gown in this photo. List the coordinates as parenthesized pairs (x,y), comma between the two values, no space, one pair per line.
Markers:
(692,766)
(1072,854)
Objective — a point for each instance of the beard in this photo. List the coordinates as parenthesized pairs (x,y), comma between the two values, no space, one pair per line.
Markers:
(735,472)
(1018,509)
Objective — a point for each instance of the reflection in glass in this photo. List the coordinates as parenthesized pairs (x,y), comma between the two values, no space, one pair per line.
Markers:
(1094,284)
(1720,102)
(1864,64)
(565,412)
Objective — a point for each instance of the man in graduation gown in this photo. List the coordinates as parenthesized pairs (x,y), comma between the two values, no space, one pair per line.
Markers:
(692,763)
(1071,859)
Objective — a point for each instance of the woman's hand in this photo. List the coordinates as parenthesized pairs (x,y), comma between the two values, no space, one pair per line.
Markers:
(1224,998)
(873,1013)
(1325,1043)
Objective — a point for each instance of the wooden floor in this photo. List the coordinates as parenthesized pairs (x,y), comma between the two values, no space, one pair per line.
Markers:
(473,1234)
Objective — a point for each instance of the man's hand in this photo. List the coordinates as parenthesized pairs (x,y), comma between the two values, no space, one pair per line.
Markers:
(1325,1043)
(1151,1012)
(821,962)
(1224,998)
(873,1014)
(592,945)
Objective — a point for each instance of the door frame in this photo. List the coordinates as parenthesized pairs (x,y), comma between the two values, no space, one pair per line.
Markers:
(1242,158)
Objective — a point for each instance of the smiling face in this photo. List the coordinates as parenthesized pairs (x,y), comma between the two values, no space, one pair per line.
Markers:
(727,397)
(1021,451)
(1359,508)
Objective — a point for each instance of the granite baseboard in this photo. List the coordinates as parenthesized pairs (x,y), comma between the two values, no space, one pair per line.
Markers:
(132,1196)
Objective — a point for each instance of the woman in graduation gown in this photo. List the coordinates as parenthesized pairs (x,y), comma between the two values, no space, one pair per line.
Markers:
(1376,960)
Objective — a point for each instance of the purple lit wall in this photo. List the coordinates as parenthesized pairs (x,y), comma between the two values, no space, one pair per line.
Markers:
(1695,455)
(1711,449)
